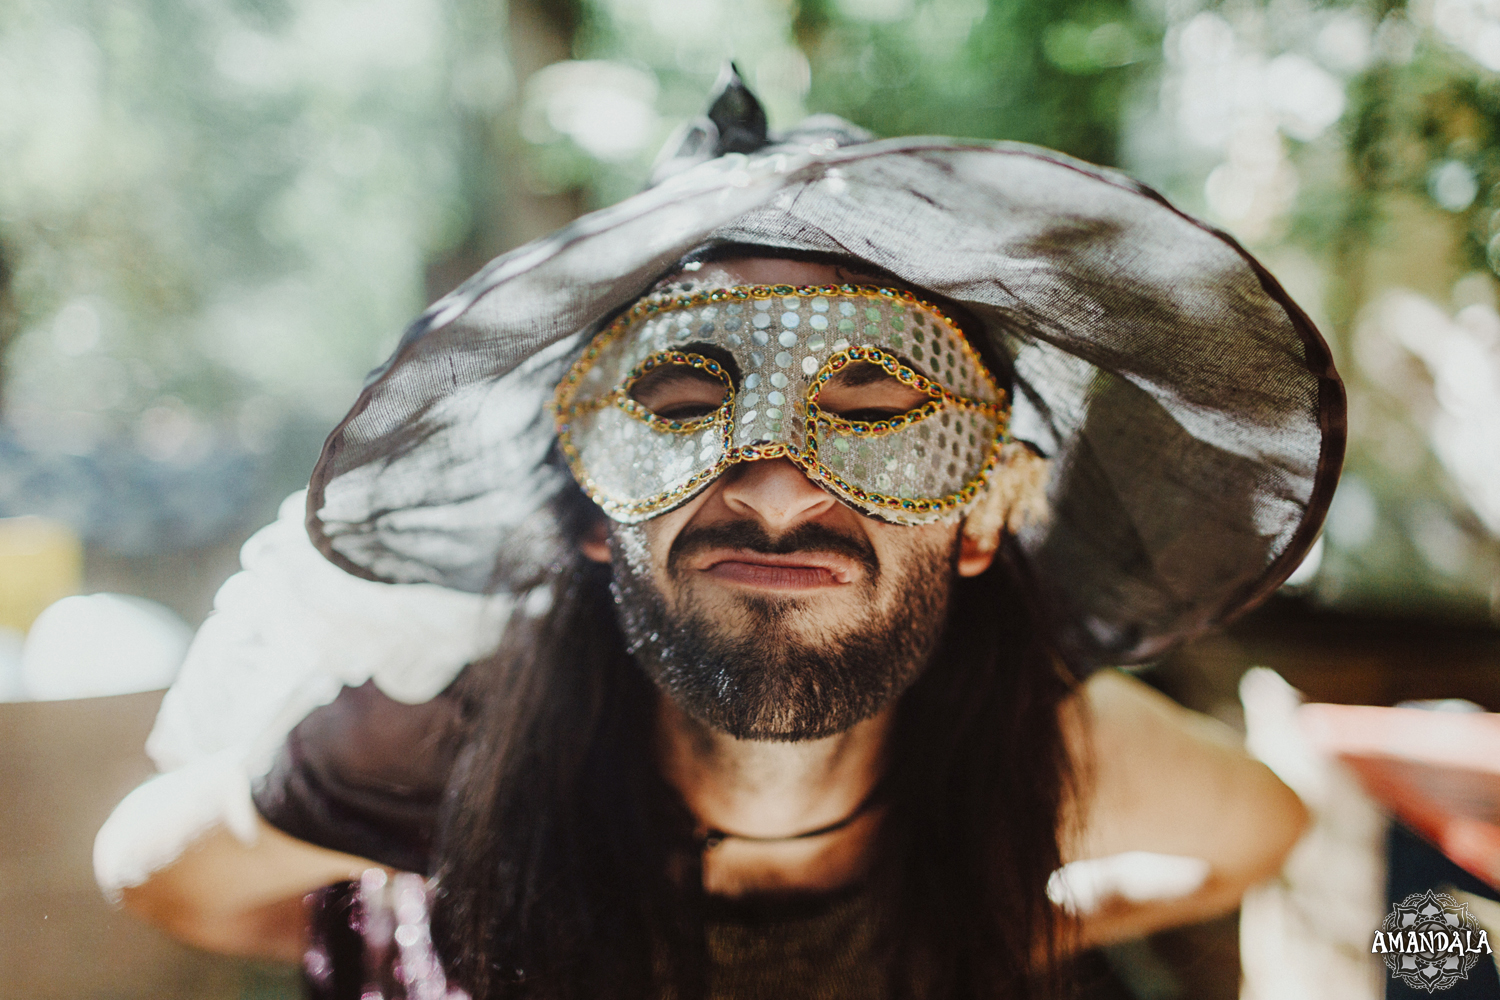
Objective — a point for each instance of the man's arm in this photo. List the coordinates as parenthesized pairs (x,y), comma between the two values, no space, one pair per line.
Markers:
(242,899)
(1155,777)
(357,778)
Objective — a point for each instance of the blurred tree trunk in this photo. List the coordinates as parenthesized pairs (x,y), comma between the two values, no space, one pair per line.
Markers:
(508,210)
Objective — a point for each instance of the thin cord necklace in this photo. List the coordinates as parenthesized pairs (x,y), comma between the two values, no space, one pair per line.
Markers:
(715,836)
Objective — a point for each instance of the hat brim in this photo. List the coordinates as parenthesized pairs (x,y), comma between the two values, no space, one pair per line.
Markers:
(1192,411)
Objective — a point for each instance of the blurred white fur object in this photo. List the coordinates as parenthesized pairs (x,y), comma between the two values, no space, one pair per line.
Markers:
(1305,935)
(287,633)
(1137,876)
(152,826)
(102,644)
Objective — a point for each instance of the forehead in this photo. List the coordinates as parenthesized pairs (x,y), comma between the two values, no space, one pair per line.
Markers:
(774,271)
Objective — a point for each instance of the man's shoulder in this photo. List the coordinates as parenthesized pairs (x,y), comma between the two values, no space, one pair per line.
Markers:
(365,775)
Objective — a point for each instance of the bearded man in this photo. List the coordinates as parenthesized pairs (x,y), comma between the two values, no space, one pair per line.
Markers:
(743,553)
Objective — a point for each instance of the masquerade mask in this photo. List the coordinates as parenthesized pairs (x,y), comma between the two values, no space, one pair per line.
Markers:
(757,360)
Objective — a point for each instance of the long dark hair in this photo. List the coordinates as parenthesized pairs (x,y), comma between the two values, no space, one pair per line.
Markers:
(566,865)
(982,780)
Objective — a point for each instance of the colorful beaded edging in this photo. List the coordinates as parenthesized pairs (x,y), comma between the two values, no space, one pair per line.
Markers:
(905,509)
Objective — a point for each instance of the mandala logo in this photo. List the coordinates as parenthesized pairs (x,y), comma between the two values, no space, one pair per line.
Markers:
(1430,941)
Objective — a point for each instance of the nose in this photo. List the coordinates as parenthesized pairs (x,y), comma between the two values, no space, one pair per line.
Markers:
(776,492)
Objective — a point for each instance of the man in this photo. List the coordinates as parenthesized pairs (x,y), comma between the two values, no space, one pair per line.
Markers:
(790,700)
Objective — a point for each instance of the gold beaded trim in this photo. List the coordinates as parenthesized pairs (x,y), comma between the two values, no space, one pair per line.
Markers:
(817,418)
(620,395)
(893,366)
(640,510)
(817,471)
(653,305)
(644,509)
(564,408)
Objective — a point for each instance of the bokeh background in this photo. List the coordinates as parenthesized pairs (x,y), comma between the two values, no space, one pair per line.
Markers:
(216,216)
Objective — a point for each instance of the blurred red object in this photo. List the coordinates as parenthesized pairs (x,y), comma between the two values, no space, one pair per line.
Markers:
(1437,771)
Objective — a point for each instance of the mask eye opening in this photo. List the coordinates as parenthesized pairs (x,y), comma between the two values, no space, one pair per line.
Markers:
(670,391)
(864,366)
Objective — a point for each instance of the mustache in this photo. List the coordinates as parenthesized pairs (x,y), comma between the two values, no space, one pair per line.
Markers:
(752,537)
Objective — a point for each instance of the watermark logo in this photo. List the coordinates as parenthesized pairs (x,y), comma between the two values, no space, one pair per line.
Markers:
(1430,941)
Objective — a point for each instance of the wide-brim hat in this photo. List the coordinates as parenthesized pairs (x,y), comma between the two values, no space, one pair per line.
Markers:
(1190,409)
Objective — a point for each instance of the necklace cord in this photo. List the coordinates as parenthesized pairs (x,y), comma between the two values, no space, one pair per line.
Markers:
(714,836)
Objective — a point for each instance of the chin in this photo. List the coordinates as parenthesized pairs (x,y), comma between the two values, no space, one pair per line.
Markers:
(764,724)
(783,667)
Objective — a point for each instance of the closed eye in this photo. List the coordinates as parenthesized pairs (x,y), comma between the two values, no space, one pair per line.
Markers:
(869,414)
(866,392)
(679,392)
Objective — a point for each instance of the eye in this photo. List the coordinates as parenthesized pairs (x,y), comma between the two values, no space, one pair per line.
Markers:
(679,392)
(870,414)
(866,392)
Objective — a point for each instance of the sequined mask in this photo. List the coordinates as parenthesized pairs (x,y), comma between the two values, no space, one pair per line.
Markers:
(786,343)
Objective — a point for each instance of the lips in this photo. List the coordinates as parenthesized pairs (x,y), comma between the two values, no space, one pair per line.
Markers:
(790,571)
(741,553)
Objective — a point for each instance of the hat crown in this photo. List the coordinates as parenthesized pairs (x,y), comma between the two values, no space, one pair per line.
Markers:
(735,122)
(737,115)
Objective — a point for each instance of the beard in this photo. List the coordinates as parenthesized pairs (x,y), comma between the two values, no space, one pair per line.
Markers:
(756,673)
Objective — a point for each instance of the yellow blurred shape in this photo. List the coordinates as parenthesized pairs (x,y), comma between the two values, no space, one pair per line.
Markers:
(41,561)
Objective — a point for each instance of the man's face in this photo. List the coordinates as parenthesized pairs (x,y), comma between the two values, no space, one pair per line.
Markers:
(765,607)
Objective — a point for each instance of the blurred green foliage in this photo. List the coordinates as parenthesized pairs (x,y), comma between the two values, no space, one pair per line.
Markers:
(210,206)
(1404,222)
(220,212)
(1052,73)
(1056,73)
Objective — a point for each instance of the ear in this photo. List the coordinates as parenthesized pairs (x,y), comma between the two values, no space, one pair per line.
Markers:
(595,542)
(976,552)
(1016,496)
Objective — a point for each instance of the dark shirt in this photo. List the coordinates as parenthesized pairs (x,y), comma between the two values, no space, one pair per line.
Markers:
(364,775)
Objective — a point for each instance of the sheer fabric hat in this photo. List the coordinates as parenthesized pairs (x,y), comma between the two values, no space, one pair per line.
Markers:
(1191,411)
